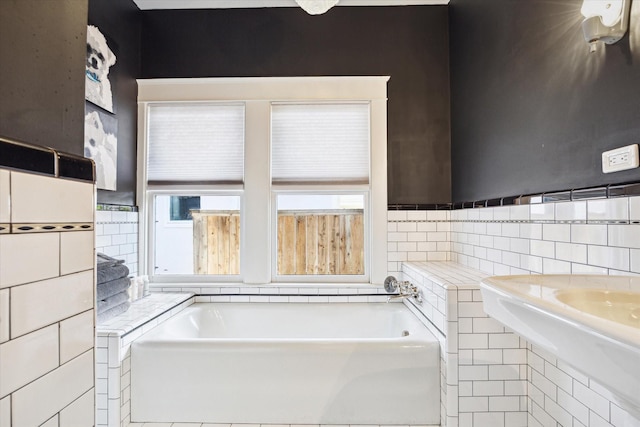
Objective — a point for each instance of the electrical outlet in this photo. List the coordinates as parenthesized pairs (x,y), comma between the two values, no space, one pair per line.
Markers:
(620,159)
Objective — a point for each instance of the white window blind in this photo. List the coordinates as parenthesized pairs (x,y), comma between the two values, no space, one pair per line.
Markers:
(196,143)
(320,143)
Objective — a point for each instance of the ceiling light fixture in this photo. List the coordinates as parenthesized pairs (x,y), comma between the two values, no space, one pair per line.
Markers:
(605,20)
(316,7)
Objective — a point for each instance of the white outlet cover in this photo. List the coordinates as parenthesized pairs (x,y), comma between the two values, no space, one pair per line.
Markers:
(620,159)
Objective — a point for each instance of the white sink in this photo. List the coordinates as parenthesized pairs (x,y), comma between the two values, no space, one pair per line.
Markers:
(590,321)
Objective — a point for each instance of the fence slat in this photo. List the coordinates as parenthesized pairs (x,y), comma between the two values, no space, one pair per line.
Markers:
(309,242)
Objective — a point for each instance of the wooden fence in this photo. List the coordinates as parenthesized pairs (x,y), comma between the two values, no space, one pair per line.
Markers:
(321,242)
(309,242)
(216,242)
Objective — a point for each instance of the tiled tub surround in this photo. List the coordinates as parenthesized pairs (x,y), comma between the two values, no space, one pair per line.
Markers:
(117,236)
(588,236)
(46,300)
(483,366)
(113,356)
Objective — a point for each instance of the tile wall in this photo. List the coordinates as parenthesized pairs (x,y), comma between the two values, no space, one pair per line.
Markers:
(46,301)
(117,236)
(113,355)
(587,236)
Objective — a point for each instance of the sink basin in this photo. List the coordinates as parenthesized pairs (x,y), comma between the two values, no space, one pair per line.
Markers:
(616,306)
(591,322)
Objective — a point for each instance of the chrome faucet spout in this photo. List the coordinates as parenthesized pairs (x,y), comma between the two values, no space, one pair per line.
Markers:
(405,289)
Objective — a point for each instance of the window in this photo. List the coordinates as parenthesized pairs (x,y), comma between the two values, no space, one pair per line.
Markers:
(258,180)
(181,207)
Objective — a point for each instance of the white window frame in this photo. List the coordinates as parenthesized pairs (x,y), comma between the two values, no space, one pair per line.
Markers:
(258,208)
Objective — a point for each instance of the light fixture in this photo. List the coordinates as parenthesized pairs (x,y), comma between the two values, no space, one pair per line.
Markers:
(316,7)
(605,20)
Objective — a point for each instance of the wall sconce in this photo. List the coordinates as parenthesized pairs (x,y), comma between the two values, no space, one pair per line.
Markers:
(605,20)
(316,7)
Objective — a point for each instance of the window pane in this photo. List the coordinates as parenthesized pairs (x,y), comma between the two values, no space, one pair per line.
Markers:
(196,143)
(181,207)
(205,239)
(320,234)
(320,143)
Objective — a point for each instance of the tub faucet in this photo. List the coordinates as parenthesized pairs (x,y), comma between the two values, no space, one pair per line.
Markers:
(404,289)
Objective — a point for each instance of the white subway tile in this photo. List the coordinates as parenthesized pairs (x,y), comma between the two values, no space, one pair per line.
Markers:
(396,215)
(543,248)
(514,356)
(591,399)
(558,377)
(103,216)
(39,251)
(76,335)
(608,209)
(531,231)
(31,306)
(588,269)
(609,257)
(472,372)
(438,215)
(5,411)
(593,234)
(542,211)
(65,200)
(24,359)
(473,341)
(574,407)
(558,413)
(76,251)
(545,385)
(407,246)
(51,422)
(552,266)
(635,260)
(519,245)
(627,236)
(488,388)
(471,309)
(427,226)
(572,252)
(504,372)
(80,412)
(493,419)
(487,324)
(556,232)
(634,208)
(504,404)
(39,400)
(571,211)
(473,404)
(406,227)
(5,197)
(508,340)
(519,213)
(620,417)
(511,230)
(487,357)
(515,388)
(517,419)
(416,215)
(4,315)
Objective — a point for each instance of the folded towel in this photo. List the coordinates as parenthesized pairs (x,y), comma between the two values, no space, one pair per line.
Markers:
(112,301)
(108,289)
(112,273)
(105,261)
(112,312)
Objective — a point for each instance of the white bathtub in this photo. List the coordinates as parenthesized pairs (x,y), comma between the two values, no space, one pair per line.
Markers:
(287,364)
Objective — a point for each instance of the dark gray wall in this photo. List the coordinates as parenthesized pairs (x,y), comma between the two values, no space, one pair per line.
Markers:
(42,55)
(408,43)
(532,110)
(119,21)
